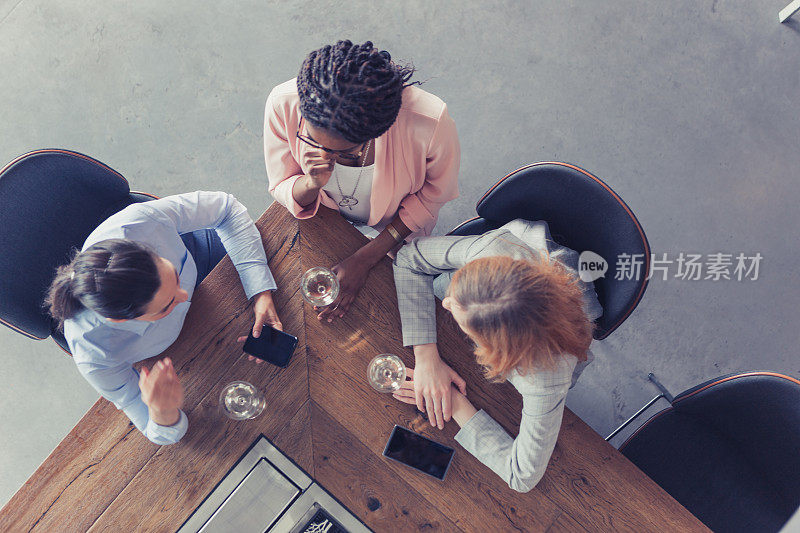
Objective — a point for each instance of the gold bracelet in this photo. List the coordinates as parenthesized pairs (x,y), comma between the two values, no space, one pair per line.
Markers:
(394,233)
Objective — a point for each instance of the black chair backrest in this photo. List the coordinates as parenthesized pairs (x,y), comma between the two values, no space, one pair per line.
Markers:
(50,201)
(583,214)
(760,413)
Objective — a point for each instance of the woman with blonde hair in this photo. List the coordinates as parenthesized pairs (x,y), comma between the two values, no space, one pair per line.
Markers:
(517,296)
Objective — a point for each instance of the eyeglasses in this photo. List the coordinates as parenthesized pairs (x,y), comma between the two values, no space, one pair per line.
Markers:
(346,155)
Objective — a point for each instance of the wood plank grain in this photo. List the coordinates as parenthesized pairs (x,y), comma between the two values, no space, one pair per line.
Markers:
(175,481)
(295,440)
(360,480)
(469,490)
(565,524)
(373,326)
(72,481)
(323,414)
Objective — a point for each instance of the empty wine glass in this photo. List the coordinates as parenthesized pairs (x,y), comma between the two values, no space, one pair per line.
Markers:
(241,400)
(386,372)
(319,286)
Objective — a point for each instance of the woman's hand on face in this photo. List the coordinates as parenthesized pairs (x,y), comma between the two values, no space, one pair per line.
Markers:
(319,166)
(352,274)
(162,392)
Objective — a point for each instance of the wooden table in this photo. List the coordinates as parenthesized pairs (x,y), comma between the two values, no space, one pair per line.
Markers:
(105,476)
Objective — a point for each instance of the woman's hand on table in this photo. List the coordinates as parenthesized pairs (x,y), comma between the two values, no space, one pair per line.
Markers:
(433,390)
(462,408)
(406,391)
(431,381)
(266,314)
(353,271)
(162,392)
(352,274)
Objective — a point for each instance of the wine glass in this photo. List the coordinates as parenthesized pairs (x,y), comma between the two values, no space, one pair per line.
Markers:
(319,286)
(386,372)
(241,400)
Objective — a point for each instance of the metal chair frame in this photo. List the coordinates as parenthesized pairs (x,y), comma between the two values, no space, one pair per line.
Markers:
(664,394)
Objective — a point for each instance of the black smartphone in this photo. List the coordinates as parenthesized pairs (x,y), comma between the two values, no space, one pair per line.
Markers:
(273,346)
(419,452)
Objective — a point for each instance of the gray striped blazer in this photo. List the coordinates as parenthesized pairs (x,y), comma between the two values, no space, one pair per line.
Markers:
(422,270)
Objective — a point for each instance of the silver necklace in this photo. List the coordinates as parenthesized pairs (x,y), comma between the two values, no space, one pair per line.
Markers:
(349,200)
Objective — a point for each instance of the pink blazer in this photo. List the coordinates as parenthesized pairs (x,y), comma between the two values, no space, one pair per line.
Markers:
(416,160)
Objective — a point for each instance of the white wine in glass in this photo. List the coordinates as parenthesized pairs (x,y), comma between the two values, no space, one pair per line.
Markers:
(319,286)
(241,400)
(386,372)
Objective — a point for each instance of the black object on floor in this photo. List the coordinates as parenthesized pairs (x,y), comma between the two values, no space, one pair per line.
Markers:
(322,522)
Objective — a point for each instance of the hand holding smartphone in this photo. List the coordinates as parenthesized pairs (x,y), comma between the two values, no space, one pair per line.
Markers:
(273,346)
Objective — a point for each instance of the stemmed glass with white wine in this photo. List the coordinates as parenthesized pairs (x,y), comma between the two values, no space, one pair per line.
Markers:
(241,400)
(319,286)
(386,372)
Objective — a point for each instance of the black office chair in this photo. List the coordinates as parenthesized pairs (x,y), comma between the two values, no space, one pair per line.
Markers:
(728,450)
(583,214)
(50,201)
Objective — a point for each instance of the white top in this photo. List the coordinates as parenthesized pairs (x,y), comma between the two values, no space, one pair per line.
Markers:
(347,178)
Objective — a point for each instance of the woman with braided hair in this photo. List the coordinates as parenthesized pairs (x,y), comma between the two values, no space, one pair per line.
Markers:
(351,133)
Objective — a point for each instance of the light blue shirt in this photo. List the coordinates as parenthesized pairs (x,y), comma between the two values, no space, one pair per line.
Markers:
(105,351)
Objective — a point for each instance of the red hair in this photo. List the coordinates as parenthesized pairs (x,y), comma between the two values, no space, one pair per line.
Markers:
(522,314)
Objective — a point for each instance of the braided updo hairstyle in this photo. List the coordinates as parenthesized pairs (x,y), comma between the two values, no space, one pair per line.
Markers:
(353,90)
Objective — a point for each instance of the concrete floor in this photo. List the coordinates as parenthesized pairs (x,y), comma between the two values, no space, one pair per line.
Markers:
(688,108)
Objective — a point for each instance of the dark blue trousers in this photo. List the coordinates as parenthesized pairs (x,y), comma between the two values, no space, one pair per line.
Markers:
(206,250)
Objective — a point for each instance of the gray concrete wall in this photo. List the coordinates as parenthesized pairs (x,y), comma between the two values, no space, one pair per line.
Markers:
(688,109)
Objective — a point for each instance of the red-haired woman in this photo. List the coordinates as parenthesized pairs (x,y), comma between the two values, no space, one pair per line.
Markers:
(517,295)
